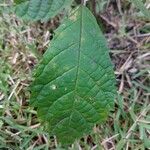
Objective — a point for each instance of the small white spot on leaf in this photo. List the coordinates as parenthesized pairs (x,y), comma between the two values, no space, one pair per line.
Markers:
(53,87)
(82,39)
(74,17)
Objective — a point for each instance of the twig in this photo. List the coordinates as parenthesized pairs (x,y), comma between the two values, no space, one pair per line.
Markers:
(109,139)
(14,89)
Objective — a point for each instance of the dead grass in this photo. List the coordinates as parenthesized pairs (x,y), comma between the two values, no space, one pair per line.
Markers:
(21,47)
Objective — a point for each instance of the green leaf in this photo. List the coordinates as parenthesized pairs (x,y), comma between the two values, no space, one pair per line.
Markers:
(20,1)
(139,4)
(41,9)
(74,83)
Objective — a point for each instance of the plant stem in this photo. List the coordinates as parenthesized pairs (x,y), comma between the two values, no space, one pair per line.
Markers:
(83,2)
(94,7)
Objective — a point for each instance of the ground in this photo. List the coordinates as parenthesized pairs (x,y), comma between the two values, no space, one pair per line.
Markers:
(21,47)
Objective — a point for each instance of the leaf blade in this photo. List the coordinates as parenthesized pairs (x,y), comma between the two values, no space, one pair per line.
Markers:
(35,10)
(74,84)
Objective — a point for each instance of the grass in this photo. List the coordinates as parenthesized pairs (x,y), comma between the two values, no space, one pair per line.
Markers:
(21,47)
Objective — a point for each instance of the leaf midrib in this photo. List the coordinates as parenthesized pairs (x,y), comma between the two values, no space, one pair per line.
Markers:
(79,50)
(78,64)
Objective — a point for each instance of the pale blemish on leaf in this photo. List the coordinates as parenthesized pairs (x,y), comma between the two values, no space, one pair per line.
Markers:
(74,17)
(82,39)
(53,87)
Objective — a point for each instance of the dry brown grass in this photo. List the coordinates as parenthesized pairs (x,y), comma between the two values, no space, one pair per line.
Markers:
(21,47)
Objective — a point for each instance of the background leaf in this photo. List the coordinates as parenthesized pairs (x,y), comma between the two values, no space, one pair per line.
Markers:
(20,1)
(74,84)
(41,9)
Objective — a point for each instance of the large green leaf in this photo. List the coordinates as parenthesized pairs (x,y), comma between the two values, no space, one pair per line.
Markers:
(74,83)
(41,9)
